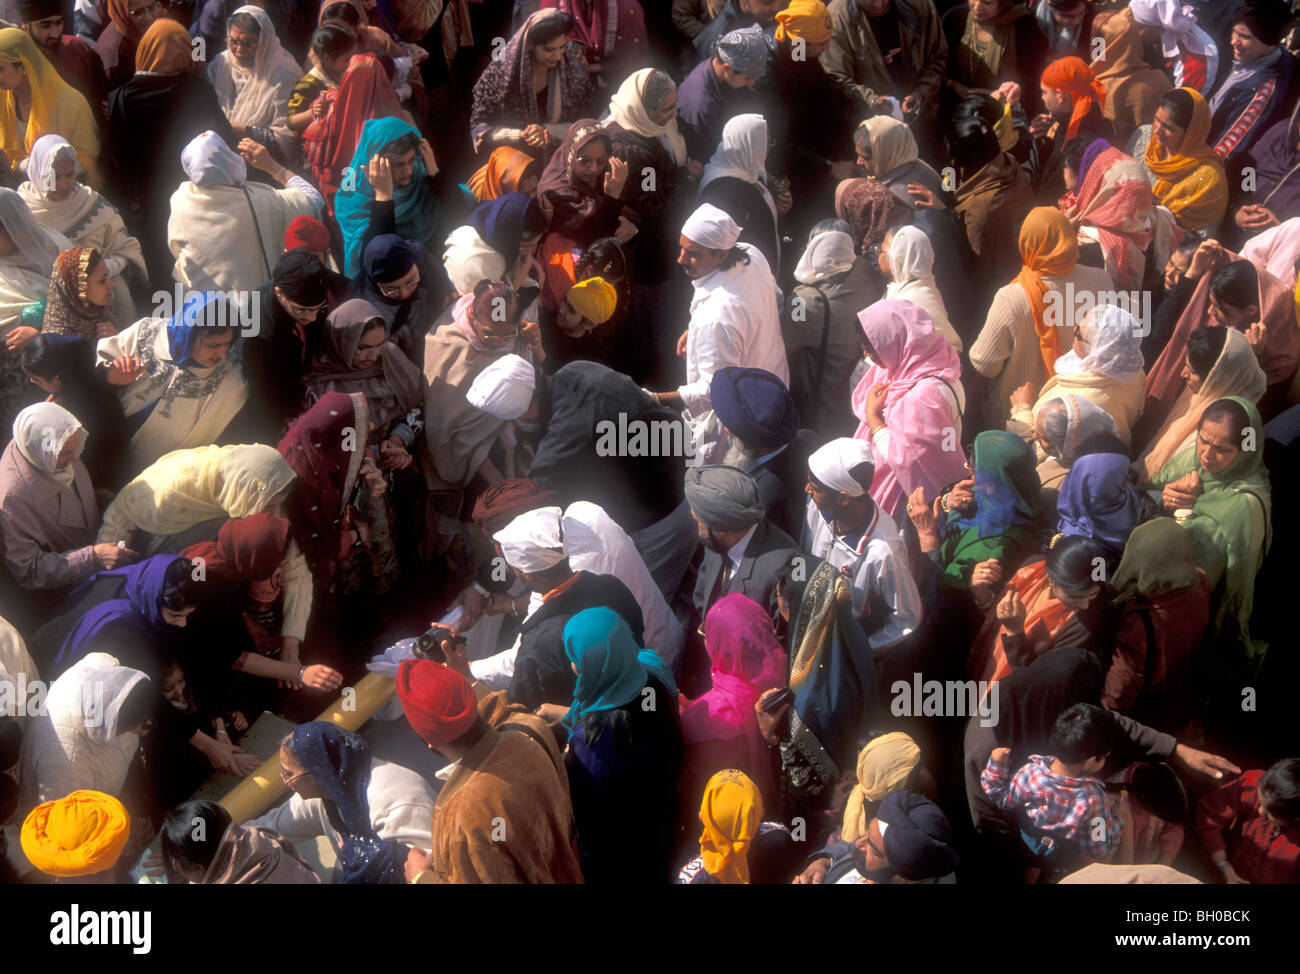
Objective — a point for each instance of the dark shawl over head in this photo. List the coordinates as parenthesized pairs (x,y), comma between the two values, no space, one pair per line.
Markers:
(338,761)
(581,213)
(500,223)
(94,402)
(138,606)
(1033,696)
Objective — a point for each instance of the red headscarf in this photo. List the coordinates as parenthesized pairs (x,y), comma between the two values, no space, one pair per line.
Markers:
(308,233)
(439,703)
(1073,76)
(247,549)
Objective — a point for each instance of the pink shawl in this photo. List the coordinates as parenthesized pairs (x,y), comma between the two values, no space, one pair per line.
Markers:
(924,442)
(1116,200)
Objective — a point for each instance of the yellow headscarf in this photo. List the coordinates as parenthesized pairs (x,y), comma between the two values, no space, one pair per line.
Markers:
(1005,129)
(808,19)
(883,766)
(595,299)
(1195,202)
(57,108)
(1048,245)
(79,835)
(731,812)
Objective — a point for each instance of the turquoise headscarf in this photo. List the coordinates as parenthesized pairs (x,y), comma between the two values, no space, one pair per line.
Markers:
(416,212)
(612,669)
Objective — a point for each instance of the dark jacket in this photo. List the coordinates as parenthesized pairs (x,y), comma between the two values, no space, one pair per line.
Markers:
(1031,55)
(704,106)
(766,554)
(744,203)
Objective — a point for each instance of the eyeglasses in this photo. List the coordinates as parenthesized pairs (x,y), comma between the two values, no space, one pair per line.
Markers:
(290,778)
(399,290)
(243,43)
(398,164)
(139,12)
(500,337)
(302,310)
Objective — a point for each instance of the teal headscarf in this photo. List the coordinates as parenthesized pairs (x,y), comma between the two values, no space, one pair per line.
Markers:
(612,669)
(416,212)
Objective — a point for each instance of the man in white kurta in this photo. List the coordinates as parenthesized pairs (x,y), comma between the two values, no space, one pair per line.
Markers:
(860,540)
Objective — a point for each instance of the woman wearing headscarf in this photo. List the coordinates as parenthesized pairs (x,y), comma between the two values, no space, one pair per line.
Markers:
(718,727)
(737,846)
(533,90)
(59,201)
(1226,487)
(507,171)
(870,209)
(63,367)
(887,152)
(370,810)
(1191,56)
(403,202)
(582,186)
(909,256)
(610,33)
(226,233)
(406,286)
(253,78)
(1098,500)
(645,105)
(624,758)
(1163,598)
(188,383)
(736,181)
(910,403)
(120,40)
(1187,176)
(1066,428)
(1133,87)
(82,300)
(1022,336)
(225,853)
(512,226)
(35,101)
(151,118)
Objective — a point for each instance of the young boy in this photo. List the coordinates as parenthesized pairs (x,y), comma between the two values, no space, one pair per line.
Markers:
(1251,826)
(1062,809)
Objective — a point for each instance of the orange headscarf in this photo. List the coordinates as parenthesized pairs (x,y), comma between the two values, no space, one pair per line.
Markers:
(1048,245)
(1073,76)
(501,175)
(164,49)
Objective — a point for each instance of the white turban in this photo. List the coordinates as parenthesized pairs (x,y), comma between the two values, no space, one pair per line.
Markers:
(826,255)
(534,541)
(504,389)
(710,227)
(831,464)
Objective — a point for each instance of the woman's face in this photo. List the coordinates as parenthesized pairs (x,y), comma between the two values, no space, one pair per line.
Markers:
(1071,178)
(12,75)
(1176,268)
(1080,346)
(1194,381)
(1231,316)
(50,387)
(99,286)
(1169,135)
(550,54)
(336,67)
(369,348)
(65,178)
(528,185)
(590,164)
(882,261)
(1216,447)
(242,45)
(402,288)
(665,112)
(293,775)
(1077,602)
(177,618)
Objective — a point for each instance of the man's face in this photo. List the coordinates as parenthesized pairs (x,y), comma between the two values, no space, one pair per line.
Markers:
(46,32)
(874,8)
(211,348)
(734,79)
(303,314)
(1070,18)
(1216,447)
(1057,103)
(869,853)
(764,11)
(823,499)
(1246,46)
(698,261)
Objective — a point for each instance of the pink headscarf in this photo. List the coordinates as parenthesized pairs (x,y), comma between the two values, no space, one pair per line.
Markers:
(747,659)
(924,443)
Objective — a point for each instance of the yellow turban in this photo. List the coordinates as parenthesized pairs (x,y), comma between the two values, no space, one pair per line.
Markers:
(595,299)
(78,835)
(883,766)
(731,812)
(808,19)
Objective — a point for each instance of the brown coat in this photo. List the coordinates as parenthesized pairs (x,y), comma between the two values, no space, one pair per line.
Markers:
(46,529)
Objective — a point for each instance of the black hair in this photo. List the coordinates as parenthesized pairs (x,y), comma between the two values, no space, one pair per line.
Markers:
(180,590)
(971,144)
(139,705)
(558,25)
(635,724)
(1179,104)
(42,358)
(1083,731)
(332,41)
(1158,787)
(980,106)
(1204,346)
(485,292)
(1190,244)
(1236,285)
(790,588)
(1073,152)
(342,11)
(736,255)
(603,258)
(534,222)
(1236,415)
(1279,789)
(1072,561)
(406,142)
(245,22)
(191,835)
(864,473)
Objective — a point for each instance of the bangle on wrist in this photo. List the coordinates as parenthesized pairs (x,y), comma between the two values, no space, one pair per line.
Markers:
(301,671)
(481,590)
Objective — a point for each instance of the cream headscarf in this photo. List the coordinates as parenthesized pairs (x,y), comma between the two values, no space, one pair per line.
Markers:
(248,95)
(883,766)
(892,145)
(41,432)
(628,109)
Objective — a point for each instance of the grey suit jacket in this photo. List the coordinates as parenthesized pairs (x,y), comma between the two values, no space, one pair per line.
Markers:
(766,554)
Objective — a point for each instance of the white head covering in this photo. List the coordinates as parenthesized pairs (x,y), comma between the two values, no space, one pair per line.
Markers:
(629,110)
(826,255)
(46,151)
(832,463)
(534,541)
(208,161)
(248,96)
(710,227)
(911,255)
(37,250)
(742,154)
(1178,25)
(504,389)
(40,434)
(469,259)
(1114,340)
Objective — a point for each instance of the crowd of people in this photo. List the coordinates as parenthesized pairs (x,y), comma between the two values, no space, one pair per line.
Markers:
(838,443)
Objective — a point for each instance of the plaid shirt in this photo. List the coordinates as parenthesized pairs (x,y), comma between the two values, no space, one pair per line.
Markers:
(1073,809)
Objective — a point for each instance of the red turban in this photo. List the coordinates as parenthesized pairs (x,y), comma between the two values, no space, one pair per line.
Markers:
(439,702)
(505,500)
(1072,75)
(308,232)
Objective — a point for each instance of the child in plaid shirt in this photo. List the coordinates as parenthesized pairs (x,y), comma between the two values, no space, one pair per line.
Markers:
(1063,811)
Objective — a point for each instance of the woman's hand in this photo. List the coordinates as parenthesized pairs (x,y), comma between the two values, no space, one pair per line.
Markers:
(124,370)
(1203,258)
(238,720)
(962,497)
(531,333)
(289,649)
(380,173)
(20,336)
(985,580)
(318,107)
(230,759)
(1182,493)
(551,713)
(925,197)
(417,861)
(616,178)
(1011,611)
(769,724)
(784,202)
(257,156)
(536,136)
(321,677)
(1039,126)
(625,230)
(374,477)
(1255,218)
(1007,93)
(924,516)
(874,408)
(393,454)
(1257,336)
(1025,395)
(427,157)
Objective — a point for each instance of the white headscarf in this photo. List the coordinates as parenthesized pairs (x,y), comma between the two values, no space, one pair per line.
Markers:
(911,256)
(1114,340)
(504,389)
(37,250)
(40,434)
(742,154)
(832,463)
(248,95)
(826,255)
(710,227)
(1178,26)
(534,541)
(46,151)
(470,259)
(629,110)
(208,161)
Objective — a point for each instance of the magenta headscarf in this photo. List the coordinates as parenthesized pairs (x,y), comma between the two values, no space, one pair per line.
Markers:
(924,442)
(747,659)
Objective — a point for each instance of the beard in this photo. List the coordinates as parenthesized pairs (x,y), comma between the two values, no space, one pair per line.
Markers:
(738,455)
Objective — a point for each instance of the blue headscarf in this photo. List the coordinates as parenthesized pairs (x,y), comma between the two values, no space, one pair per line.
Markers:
(612,669)
(338,761)
(500,223)
(1006,485)
(416,212)
(138,606)
(1098,500)
(192,315)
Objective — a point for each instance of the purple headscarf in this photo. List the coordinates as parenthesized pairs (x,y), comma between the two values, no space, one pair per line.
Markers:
(138,605)
(1099,501)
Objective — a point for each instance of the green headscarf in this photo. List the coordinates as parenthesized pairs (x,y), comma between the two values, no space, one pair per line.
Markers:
(1159,558)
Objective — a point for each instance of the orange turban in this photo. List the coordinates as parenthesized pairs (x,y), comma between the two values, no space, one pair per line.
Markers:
(1048,245)
(81,834)
(1073,76)
(501,174)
